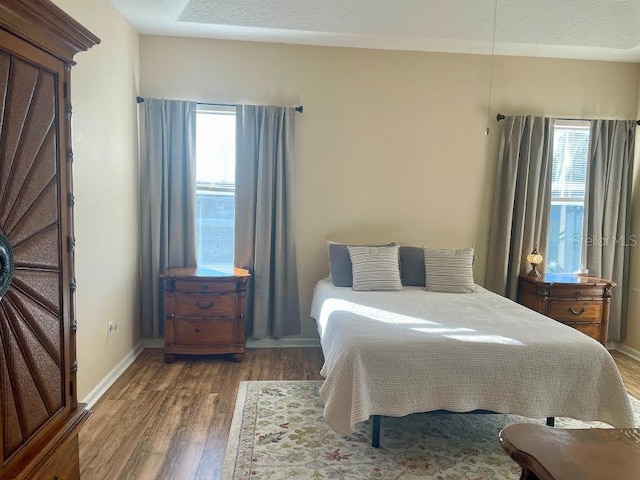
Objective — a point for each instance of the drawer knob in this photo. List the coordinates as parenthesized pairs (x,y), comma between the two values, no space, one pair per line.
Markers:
(205,287)
(204,307)
(576,313)
(197,330)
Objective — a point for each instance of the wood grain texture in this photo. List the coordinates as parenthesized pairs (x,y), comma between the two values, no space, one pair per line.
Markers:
(630,371)
(204,312)
(171,421)
(579,302)
(39,413)
(48,27)
(586,454)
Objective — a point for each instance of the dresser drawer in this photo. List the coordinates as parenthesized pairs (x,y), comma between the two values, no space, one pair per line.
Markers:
(575,291)
(204,305)
(203,331)
(194,286)
(591,329)
(574,310)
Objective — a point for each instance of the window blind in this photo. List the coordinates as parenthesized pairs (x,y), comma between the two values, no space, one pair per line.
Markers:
(216,148)
(570,156)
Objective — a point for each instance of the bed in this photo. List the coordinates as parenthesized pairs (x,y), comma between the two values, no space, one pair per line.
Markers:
(403,352)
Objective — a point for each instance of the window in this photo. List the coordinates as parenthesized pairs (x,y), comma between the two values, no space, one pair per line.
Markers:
(215,185)
(568,186)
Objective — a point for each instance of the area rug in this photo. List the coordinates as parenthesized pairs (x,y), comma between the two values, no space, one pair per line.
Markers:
(278,432)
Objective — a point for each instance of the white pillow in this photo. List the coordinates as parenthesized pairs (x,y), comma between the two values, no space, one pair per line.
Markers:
(375,268)
(449,271)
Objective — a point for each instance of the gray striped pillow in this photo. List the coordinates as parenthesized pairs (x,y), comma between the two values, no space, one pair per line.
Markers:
(449,271)
(375,268)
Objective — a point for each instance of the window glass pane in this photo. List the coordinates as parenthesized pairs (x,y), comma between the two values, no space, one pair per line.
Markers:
(565,232)
(215,185)
(568,185)
(215,229)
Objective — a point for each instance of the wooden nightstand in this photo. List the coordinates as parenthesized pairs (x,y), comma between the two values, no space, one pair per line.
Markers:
(577,301)
(204,312)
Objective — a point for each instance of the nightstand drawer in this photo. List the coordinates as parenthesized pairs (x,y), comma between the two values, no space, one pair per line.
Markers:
(591,329)
(188,286)
(204,305)
(202,332)
(575,291)
(574,310)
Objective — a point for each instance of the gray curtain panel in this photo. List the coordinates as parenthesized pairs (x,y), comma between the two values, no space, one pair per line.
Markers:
(608,211)
(521,200)
(264,237)
(167,176)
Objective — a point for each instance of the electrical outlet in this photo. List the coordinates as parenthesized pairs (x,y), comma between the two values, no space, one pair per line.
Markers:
(112,328)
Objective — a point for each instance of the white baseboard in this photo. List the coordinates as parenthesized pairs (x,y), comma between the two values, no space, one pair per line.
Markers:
(100,389)
(632,352)
(305,342)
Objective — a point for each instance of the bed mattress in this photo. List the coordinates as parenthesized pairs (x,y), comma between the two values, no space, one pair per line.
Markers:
(397,353)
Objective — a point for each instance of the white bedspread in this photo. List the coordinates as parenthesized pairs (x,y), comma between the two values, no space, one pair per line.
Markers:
(396,353)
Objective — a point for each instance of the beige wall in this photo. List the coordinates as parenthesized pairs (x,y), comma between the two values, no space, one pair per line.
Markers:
(104,85)
(391,145)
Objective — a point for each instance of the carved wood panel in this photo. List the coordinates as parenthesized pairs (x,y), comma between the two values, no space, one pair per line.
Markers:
(32,365)
(39,413)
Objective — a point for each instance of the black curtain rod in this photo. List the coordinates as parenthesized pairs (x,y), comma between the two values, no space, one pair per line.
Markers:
(502,117)
(141,100)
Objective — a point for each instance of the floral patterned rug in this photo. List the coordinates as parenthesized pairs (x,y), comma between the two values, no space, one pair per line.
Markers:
(278,432)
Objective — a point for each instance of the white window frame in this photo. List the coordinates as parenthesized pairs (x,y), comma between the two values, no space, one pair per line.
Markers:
(207,188)
(572,201)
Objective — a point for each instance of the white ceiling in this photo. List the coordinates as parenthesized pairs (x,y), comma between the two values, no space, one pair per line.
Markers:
(586,29)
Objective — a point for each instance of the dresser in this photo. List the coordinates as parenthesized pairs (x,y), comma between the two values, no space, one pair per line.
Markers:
(578,301)
(40,416)
(204,312)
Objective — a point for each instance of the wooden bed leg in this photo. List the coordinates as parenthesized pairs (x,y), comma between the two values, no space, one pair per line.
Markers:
(375,432)
(551,421)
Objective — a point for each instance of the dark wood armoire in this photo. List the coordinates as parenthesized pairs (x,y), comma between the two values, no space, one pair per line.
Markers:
(40,416)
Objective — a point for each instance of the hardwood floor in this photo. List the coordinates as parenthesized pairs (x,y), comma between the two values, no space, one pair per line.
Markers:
(629,371)
(171,422)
